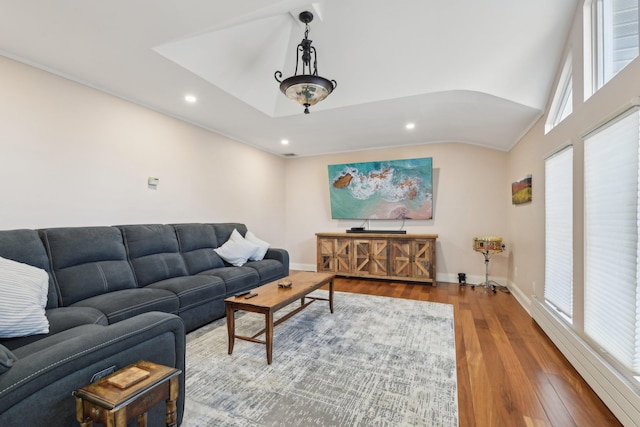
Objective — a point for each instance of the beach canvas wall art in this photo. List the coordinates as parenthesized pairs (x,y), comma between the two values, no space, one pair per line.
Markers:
(391,189)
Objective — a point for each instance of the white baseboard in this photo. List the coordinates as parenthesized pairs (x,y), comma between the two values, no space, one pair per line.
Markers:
(520,296)
(620,396)
(440,277)
(302,267)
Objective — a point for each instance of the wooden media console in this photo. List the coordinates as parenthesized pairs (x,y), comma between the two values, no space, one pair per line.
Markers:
(407,257)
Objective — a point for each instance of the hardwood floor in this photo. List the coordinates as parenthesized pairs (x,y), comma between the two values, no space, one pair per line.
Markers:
(509,372)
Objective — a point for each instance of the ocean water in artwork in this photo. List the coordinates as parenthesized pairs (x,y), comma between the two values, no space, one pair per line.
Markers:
(394,189)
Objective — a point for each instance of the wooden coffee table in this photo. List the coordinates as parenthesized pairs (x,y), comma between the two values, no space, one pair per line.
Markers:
(271,298)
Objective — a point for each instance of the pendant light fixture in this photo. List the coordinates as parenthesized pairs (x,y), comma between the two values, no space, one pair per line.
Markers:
(306,88)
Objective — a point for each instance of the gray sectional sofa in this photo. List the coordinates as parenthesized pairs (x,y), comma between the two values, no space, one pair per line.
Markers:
(116,295)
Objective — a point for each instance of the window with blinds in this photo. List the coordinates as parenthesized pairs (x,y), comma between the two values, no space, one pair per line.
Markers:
(558,288)
(616,39)
(612,215)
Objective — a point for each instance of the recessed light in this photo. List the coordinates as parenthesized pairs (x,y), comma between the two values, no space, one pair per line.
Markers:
(410,126)
(284,142)
(190,99)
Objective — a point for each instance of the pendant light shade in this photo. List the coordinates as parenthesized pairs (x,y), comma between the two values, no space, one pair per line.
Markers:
(306,88)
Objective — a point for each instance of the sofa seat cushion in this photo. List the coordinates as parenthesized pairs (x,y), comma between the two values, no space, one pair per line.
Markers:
(53,340)
(268,269)
(193,291)
(236,279)
(61,319)
(120,305)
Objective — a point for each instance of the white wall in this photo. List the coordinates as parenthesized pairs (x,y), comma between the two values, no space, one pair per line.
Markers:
(73,156)
(471,194)
(526,223)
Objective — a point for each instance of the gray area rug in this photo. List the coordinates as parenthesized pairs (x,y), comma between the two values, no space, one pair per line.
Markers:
(376,361)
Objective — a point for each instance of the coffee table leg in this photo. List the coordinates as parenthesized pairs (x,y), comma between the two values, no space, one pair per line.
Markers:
(331,295)
(231,326)
(268,318)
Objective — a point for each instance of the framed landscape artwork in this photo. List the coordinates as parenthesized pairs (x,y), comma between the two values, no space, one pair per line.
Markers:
(391,189)
(521,191)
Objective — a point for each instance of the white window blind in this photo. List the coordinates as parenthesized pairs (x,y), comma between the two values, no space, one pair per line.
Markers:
(612,294)
(558,286)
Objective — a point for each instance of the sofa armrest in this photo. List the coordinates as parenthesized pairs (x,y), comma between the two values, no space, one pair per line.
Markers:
(280,255)
(45,378)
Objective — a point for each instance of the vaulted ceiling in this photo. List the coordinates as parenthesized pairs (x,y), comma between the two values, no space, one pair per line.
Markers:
(460,70)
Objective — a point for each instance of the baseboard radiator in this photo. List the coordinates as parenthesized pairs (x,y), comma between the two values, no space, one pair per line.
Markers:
(622,398)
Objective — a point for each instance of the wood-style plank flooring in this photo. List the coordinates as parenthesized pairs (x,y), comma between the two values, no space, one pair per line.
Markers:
(509,372)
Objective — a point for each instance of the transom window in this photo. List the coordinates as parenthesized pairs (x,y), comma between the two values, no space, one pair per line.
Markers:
(562,104)
(615,38)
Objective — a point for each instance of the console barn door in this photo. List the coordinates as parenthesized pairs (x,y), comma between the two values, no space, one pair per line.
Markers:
(371,257)
(334,255)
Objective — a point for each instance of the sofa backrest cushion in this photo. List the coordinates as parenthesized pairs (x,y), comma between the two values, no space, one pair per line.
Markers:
(26,247)
(87,261)
(154,252)
(195,236)
(197,242)
(224,230)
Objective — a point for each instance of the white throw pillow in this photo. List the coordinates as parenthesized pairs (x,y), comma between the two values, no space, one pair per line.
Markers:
(237,250)
(23,298)
(264,246)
